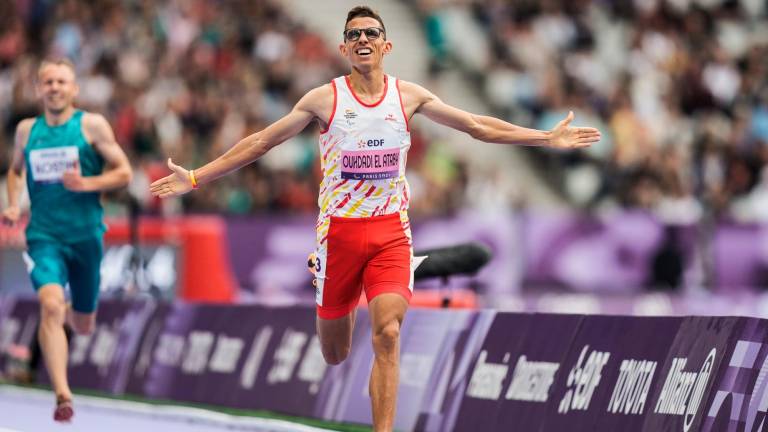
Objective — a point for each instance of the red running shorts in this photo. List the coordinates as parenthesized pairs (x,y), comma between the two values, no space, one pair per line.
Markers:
(372,254)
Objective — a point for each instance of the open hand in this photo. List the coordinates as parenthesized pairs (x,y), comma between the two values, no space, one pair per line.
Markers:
(564,136)
(178,183)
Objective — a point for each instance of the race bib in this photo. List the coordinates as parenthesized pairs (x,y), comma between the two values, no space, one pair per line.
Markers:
(370,164)
(49,165)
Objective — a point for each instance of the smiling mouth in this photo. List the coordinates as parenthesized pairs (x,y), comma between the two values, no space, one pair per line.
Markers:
(363,52)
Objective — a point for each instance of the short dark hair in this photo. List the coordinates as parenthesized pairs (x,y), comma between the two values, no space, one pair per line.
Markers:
(364,12)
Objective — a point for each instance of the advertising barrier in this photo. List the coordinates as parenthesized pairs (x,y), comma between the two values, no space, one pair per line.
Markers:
(101,360)
(690,371)
(460,370)
(18,326)
(738,397)
(609,374)
(236,356)
(514,370)
(431,341)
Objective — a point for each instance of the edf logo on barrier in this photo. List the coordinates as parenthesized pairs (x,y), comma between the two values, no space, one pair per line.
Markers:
(583,379)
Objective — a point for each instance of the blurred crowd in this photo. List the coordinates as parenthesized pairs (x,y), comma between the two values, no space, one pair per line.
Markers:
(180,79)
(678,88)
(187,79)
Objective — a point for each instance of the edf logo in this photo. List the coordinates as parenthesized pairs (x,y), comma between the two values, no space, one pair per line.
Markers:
(375,142)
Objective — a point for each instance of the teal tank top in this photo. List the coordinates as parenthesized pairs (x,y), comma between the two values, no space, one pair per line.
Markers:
(57,213)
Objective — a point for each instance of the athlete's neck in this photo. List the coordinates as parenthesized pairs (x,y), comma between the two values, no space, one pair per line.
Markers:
(367,84)
(59,118)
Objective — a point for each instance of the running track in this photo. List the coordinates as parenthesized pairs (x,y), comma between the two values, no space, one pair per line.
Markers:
(29,410)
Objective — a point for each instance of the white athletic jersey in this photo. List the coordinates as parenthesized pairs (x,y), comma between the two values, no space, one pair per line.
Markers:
(363,154)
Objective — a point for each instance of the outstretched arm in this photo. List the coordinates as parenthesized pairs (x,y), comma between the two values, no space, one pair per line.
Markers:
(246,150)
(490,129)
(118,171)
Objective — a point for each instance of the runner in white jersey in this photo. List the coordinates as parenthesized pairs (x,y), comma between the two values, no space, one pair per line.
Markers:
(363,240)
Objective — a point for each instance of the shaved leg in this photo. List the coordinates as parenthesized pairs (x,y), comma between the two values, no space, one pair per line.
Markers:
(53,341)
(387,313)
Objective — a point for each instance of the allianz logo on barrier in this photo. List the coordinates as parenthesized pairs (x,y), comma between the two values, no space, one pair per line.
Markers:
(683,391)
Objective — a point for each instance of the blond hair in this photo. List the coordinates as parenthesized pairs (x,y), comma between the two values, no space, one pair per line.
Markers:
(63,61)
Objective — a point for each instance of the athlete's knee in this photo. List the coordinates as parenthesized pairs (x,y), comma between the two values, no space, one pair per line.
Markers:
(386,337)
(52,307)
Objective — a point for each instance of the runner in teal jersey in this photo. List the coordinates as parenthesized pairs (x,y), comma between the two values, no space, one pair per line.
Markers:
(69,157)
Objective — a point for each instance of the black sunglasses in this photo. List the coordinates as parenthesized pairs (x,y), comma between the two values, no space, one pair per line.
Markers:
(370,33)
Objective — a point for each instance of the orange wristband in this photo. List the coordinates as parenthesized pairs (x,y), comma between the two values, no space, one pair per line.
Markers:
(193,179)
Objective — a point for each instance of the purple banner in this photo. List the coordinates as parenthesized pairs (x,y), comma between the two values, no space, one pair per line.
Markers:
(269,266)
(460,370)
(689,373)
(740,257)
(429,346)
(5,306)
(739,395)
(338,388)
(139,379)
(609,374)
(513,372)
(441,409)
(238,356)
(103,359)
(649,304)
(269,255)
(531,250)
(18,325)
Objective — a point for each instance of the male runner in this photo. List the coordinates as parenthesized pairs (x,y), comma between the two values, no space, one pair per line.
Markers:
(69,156)
(363,235)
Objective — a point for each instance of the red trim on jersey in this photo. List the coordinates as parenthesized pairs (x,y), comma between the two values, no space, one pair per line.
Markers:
(330,120)
(330,147)
(340,184)
(343,202)
(402,106)
(383,95)
(384,208)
